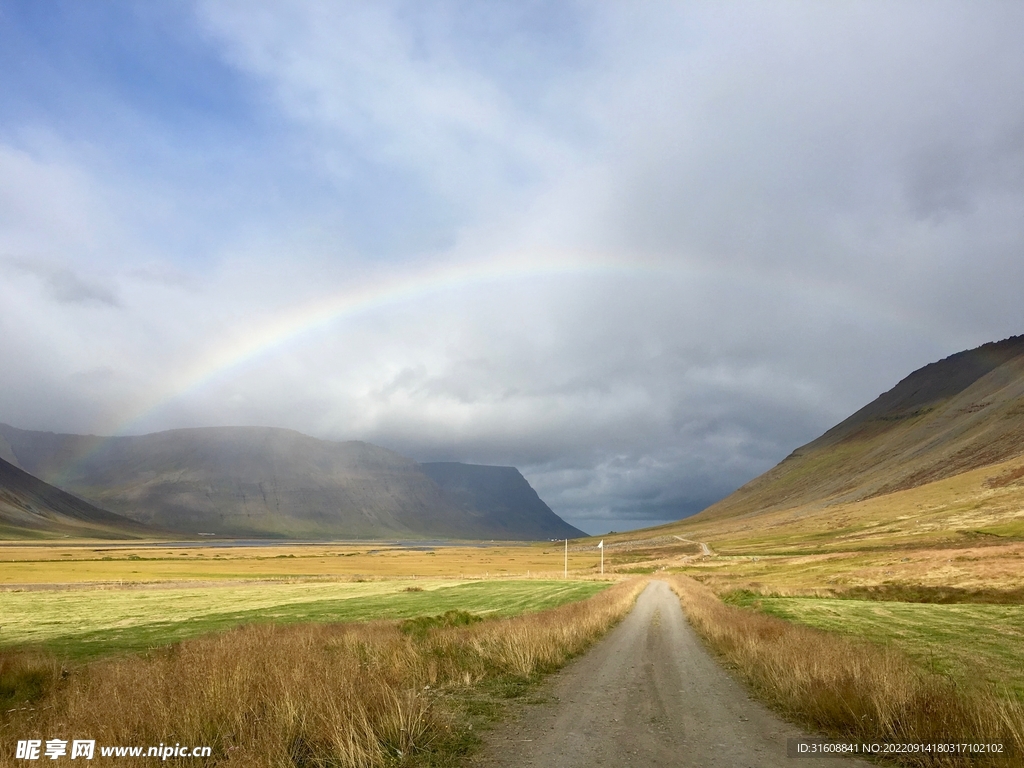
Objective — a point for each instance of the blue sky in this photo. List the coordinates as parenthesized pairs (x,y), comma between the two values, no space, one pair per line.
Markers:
(639,251)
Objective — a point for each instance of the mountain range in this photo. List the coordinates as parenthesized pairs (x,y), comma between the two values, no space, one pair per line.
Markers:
(960,418)
(268,482)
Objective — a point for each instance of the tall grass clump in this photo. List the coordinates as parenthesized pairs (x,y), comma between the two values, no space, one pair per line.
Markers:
(851,688)
(25,679)
(382,693)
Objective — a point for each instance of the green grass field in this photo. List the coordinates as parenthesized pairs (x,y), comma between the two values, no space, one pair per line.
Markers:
(94,622)
(964,641)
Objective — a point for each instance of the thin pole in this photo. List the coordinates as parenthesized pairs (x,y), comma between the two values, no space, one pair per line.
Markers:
(602,559)
(566,574)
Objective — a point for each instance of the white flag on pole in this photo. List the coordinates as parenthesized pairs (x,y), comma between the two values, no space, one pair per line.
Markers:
(601,545)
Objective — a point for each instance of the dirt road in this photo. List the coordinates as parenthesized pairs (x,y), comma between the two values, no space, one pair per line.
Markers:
(647,695)
(704,548)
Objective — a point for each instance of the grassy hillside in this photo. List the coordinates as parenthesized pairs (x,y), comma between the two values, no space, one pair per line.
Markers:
(30,508)
(981,507)
(952,416)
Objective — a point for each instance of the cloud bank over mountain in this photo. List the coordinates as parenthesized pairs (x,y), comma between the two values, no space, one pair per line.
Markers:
(638,252)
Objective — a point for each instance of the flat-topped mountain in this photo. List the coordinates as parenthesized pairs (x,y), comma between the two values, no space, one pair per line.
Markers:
(504,497)
(259,481)
(952,416)
(29,508)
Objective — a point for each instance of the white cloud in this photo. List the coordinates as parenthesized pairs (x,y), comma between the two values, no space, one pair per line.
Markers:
(369,86)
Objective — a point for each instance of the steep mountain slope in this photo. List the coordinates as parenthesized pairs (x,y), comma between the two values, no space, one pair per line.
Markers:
(30,508)
(253,481)
(950,417)
(505,498)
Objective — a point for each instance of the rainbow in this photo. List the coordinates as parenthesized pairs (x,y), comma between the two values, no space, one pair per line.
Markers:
(238,350)
(385,289)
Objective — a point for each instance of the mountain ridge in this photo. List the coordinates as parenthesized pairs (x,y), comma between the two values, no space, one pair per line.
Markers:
(30,507)
(259,482)
(954,415)
(496,492)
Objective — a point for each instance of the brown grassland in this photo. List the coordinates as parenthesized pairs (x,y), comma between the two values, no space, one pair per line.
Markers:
(49,563)
(381,693)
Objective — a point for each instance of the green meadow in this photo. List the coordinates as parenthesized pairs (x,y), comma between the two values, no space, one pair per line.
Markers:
(86,623)
(965,642)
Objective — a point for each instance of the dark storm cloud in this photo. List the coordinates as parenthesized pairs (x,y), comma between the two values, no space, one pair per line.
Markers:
(63,284)
(66,286)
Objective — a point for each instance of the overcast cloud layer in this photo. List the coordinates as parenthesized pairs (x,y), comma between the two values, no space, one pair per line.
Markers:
(639,250)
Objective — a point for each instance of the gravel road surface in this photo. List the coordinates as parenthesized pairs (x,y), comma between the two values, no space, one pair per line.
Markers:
(648,695)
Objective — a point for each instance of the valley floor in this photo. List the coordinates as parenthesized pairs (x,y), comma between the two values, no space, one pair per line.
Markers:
(88,623)
(953,606)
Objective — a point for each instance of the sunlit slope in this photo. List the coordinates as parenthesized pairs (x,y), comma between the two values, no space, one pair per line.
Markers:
(956,415)
(980,507)
(30,508)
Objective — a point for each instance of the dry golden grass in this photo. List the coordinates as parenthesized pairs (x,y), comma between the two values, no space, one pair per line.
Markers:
(847,687)
(360,694)
(105,563)
(993,568)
